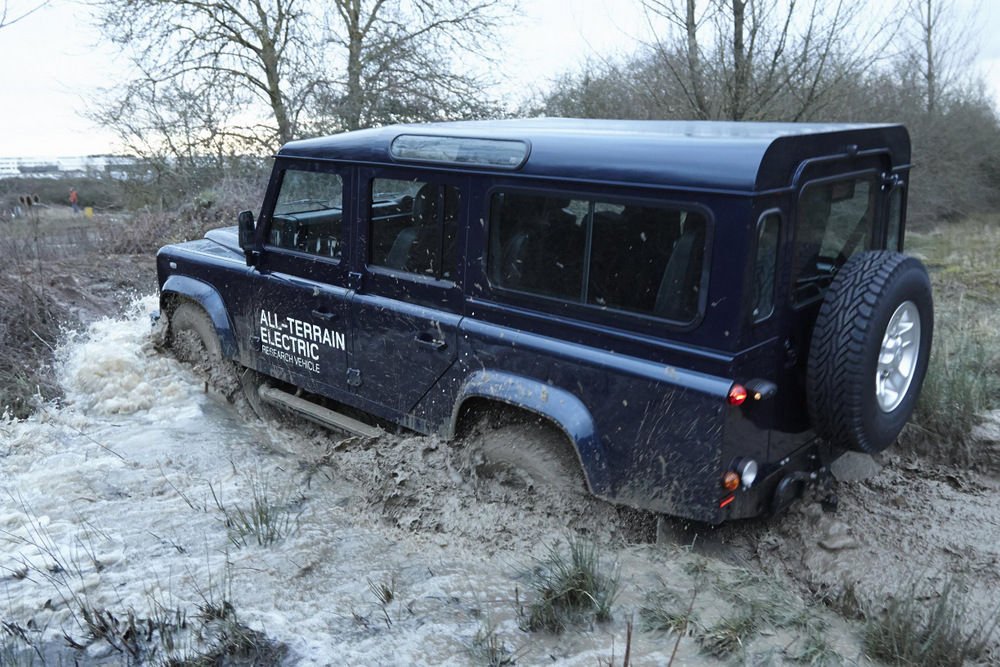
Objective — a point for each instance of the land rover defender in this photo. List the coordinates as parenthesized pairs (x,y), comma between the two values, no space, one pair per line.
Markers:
(708,312)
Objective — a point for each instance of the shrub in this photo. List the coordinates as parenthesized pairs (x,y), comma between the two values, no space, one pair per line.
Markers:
(29,329)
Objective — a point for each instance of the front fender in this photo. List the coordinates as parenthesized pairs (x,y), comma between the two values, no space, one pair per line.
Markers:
(208,298)
(558,405)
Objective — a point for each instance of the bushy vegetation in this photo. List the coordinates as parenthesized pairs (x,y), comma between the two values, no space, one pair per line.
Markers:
(963,379)
(30,323)
(100,193)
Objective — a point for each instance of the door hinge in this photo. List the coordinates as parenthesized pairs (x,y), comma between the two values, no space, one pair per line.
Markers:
(354,377)
(354,280)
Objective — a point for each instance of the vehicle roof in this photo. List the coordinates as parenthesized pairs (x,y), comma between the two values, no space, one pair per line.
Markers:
(716,155)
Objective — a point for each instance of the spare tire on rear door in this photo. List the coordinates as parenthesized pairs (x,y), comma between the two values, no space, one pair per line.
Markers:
(869,350)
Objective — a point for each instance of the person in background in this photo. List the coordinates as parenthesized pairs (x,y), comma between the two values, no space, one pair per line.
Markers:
(74,200)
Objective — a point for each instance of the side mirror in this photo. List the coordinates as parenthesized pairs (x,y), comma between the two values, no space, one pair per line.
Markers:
(247,228)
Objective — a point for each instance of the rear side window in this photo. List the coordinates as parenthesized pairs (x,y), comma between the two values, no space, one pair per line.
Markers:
(765,264)
(308,213)
(639,258)
(414,227)
(835,220)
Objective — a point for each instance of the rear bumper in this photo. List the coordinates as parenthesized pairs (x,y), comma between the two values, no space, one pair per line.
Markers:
(776,486)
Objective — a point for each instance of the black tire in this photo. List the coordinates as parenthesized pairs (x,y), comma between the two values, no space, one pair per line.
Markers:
(192,335)
(193,338)
(851,404)
(533,452)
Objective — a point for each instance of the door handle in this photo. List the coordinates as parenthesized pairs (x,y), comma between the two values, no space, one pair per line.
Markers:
(428,340)
(324,315)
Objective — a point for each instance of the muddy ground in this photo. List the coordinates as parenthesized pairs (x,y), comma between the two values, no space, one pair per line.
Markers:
(900,519)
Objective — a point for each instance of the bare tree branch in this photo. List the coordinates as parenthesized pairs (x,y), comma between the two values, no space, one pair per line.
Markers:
(8,19)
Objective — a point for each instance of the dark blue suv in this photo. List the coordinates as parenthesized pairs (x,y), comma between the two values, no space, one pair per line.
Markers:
(709,313)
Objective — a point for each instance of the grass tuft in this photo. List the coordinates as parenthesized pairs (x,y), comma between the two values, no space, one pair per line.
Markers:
(963,377)
(729,634)
(922,627)
(663,611)
(385,593)
(487,648)
(812,647)
(570,588)
(267,520)
(961,384)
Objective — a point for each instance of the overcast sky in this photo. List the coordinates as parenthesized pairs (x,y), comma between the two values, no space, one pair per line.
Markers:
(52,62)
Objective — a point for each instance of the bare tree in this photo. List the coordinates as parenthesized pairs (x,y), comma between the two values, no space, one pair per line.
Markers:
(939,48)
(747,59)
(217,76)
(398,58)
(765,59)
(260,50)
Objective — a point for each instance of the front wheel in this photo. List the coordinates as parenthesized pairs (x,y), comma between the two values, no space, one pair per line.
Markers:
(869,351)
(193,339)
(192,335)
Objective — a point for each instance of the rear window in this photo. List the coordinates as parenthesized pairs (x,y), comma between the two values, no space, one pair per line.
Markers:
(637,258)
(835,220)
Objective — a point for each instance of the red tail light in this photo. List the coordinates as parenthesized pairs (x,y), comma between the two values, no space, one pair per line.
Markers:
(737,394)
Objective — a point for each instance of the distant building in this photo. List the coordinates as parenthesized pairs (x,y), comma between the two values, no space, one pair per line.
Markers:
(96,166)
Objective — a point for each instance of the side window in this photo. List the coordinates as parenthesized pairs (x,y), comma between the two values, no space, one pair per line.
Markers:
(835,221)
(639,258)
(765,263)
(308,213)
(414,227)
(895,221)
(647,259)
(537,244)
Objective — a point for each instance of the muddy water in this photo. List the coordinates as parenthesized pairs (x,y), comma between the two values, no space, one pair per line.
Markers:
(118,499)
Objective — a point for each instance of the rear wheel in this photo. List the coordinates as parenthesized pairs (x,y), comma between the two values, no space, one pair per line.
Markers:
(869,350)
(526,449)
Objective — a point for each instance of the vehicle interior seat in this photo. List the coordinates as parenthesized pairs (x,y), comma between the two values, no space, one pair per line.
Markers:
(677,297)
(402,255)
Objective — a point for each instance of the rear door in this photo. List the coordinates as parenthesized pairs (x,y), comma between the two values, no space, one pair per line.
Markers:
(406,311)
(299,299)
(836,215)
